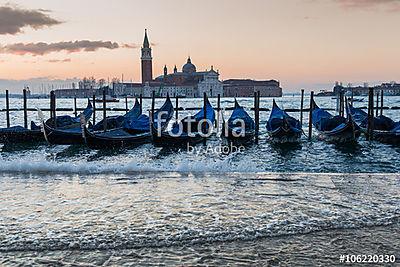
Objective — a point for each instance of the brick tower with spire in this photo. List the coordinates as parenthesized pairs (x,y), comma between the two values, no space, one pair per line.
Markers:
(147,60)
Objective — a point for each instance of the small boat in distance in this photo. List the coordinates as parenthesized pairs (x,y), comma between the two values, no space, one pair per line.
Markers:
(357,100)
(184,132)
(109,99)
(384,129)
(337,129)
(282,128)
(240,127)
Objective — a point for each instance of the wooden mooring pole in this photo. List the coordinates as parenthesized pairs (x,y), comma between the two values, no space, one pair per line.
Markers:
(141,103)
(176,108)
(310,116)
(352,95)
(301,106)
(94,109)
(381,102)
(51,105)
(370,113)
(53,108)
(104,111)
(25,110)
(341,103)
(126,104)
(377,104)
(7,109)
(218,111)
(205,123)
(75,108)
(257,114)
(153,100)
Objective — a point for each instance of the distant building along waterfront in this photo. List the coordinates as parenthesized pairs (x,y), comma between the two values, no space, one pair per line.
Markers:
(392,88)
(247,87)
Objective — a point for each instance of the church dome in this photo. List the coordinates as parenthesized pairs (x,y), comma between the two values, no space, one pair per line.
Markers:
(189,67)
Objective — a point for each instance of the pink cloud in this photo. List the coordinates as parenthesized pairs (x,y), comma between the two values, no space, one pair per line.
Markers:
(386,5)
(14,19)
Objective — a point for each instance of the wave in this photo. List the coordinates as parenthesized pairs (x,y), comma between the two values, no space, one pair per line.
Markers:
(41,166)
(130,239)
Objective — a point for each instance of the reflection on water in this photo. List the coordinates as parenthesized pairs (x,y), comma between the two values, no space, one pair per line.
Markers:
(65,214)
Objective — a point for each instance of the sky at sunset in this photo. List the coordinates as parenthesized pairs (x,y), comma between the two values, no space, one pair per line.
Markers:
(301,43)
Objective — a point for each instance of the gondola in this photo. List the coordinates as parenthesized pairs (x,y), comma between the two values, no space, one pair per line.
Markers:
(135,131)
(240,127)
(283,128)
(66,130)
(183,133)
(337,129)
(19,134)
(118,121)
(384,130)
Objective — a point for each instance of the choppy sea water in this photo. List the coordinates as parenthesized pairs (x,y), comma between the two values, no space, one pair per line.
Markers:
(269,205)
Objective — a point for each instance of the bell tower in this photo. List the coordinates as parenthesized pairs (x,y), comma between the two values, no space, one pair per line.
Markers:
(147,60)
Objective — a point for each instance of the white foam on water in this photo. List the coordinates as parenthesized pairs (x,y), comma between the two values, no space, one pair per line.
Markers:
(35,166)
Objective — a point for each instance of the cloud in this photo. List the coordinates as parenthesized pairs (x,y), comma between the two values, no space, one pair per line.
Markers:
(59,60)
(14,19)
(131,46)
(40,49)
(387,5)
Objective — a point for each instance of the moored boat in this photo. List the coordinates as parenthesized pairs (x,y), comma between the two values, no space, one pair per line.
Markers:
(134,131)
(240,127)
(66,130)
(384,129)
(337,129)
(19,134)
(282,128)
(188,131)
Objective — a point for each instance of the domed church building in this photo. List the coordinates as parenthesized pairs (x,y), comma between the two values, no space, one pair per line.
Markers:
(189,82)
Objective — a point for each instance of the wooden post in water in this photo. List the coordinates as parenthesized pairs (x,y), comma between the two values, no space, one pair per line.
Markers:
(341,113)
(310,116)
(176,107)
(205,123)
(301,106)
(257,114)
(104,111)
(218,111)
(381,102)
(53,108)
(153,100)
(94,109)
(370,113)
(377,104)
(352,95)
(51,105)
(75,108)
(25,110)
(126,104)
(7,109)
(141,103)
